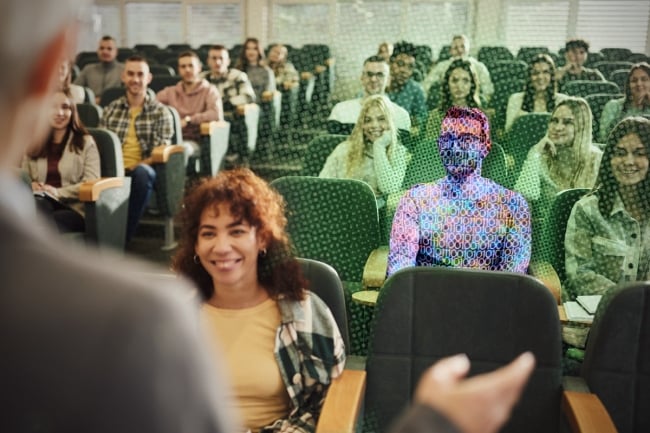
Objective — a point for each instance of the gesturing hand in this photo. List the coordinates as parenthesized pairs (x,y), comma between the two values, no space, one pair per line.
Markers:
(480,404)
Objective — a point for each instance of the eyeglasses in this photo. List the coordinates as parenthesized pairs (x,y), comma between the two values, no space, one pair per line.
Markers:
(465,140)
(378,75)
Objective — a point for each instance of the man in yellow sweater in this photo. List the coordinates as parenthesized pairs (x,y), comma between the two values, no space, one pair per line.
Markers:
(141,123)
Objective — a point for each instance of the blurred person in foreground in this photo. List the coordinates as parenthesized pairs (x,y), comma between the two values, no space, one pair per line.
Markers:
(87,345)
(82,343)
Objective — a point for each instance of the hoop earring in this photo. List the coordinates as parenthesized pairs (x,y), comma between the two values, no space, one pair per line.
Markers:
(196,259)
(263,252)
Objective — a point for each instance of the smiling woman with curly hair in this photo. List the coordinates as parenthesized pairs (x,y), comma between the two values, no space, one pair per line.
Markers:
(271,329)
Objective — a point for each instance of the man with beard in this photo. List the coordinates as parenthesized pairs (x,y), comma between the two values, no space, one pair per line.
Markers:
(403,90)
(374,78)
(104,74)
(141,123)
(462,220)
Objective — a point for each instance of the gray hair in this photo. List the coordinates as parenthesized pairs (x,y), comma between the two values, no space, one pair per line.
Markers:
(26,28)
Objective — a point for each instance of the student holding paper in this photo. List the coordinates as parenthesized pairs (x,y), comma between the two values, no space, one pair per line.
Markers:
(608,234)
(68,158)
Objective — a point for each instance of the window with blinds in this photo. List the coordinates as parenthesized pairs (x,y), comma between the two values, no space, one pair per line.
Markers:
(219,23)
(157,23)
(536,24)
(614,24)
(109,22)
(299,24)
(444,19)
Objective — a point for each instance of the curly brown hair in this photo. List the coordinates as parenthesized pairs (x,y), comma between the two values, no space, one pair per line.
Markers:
(252,200)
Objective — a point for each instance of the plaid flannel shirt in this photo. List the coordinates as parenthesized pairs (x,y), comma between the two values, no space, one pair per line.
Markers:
(235,88)
(310,353)
(154,126)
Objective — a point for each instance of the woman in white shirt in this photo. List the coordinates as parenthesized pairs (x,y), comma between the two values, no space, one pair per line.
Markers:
(372,153)
(540,93)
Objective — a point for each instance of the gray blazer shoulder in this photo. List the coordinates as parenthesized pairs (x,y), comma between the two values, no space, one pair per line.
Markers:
(89,346)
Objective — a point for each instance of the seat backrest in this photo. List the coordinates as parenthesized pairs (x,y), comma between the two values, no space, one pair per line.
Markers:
(110,152)
(619,76)
(505,70)
(424,314)
(637,58)
(159,82)
(615,54)
(526,131)
(162,70)
(617,357)
(331,220)
(425,165)
(527,53)
(560,212)
(495,166)
(89,96)
(597,102)
(325,282)
(177,138)
(491,54)
(318,150)
(178,47)
(607,67)
(111,94)
(445,53)
(89,114)
(586,87)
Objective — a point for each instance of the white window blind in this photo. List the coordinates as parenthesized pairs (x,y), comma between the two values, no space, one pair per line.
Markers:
(109,22)
(442,19)
(614,24)
(360,28)
(215,24)
(299,24)
(154,23)
(536,24)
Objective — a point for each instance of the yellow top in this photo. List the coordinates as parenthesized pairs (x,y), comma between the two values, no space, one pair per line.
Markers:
(246,340)
(131,150)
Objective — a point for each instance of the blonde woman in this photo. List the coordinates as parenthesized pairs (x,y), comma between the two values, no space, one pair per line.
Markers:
(565,158)
(372,153)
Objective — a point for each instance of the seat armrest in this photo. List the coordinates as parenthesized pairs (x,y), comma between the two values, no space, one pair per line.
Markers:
(306,75)
(207,128)
(320,69)
(355,362)
(575,384)
(586,413)
(244,109)
(329,62)
(288,85)
(91,190)
(343,403)
(161,154)
(545,272)
(374,271)
(267,96)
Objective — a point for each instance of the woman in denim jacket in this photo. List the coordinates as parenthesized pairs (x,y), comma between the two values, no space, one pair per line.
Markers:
(607,239)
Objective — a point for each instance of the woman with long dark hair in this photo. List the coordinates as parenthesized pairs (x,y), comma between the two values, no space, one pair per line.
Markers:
(57,169)
(460,88)
(540,93)
(636,101)
(607,239)
(251,61)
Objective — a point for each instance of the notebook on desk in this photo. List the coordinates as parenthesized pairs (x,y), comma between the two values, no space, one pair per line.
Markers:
(589,302)
(575,313)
